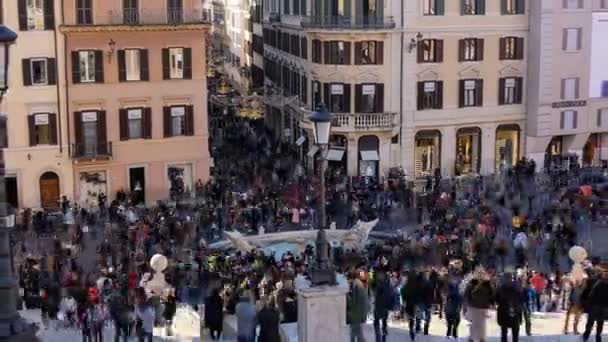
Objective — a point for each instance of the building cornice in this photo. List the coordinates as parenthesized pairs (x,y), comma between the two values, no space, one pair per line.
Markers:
(133,28)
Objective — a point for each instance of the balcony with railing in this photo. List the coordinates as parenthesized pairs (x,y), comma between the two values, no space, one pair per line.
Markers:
(92,152)
(140,17)
(358,122)
(348,22)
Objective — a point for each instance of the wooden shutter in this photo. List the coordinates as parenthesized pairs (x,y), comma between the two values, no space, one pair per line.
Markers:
(462,7)
(379,98)
(123,120)
(481,7)
(189,120)
(562,91)
(27,73)
(501,48)
(53,129)
(167,131)
(358,47)
(122,66)
(420,96)
(562,118)
(346,97)
(49,14)
(21,8)
(326,51)
(503,7)
(439,95)
(420,51)
(575,119)
(304,89)
(75,67)
(347,48)
(460,93)
(564,3)
(147,123)
(326,95)
(577,88)
(51,71)
(304,47)
(98,66)
(102,138)
(564,37)
(358,97)
(166,66)
(78,128)
(519,48)
(187,63)
(144,72)
(479,49)
(519,89)
(501,91)
(32,129)
(439,50)
(520,6)
(439,7)
(461,50)
(599,118)
(579,38)
(479,92)
(303,7)
(581,4)
(379,52)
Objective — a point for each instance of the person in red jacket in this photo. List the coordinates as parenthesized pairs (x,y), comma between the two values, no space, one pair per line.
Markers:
(539,283)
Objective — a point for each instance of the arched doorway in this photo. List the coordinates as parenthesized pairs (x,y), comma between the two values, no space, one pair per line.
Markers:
(49,190)
(507,147)
(369,156)
(468,150)
(428,152)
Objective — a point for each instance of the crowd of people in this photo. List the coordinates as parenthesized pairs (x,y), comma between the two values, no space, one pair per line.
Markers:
(477,244)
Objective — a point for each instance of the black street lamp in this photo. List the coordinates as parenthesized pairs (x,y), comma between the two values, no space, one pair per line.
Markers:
(12,326)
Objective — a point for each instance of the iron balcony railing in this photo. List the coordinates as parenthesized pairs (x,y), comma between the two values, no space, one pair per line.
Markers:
(348,22)
(137,16)
(83,151)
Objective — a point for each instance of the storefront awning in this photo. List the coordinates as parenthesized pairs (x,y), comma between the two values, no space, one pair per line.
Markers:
(313,150)
(369,155)
(300,140)
(335,155)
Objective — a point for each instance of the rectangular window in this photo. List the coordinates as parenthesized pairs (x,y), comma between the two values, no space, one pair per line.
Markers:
(473,7)
(135,123)
(604,90)
(336,99)
(176,56)
(316,51)
(571,40)
(511,48)
(510,7)
(337,52)
(130,12)
(367,53)
(42,131)
(35,14)
(84,12)
(174,11)
(509,91)
(471,93)
(132,66)
(430,95)
(430,51)
(368,98)
(429,7)
(573,4)
(570,88)
(471,49)
(90,131)
(87,66)
(568,119)
(38,70)
(602,117)
(178,121)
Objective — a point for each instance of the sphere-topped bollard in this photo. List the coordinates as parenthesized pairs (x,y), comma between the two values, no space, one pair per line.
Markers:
(577,254)
(157,285)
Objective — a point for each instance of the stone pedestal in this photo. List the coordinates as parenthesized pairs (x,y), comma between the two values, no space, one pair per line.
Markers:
(322,313)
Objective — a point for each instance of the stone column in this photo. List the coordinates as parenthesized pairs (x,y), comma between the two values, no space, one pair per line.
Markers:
(448,151)
(353,156)
(488,149)
(322,314)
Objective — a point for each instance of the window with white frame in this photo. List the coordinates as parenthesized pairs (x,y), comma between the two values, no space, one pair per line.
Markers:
(176,56)
(428,7)
(573,4)
(87,66)
(568,119)
(510,90)
(470,93)
(429,97)
(35,14)
(470,49)
(178,121)
(572,39)
(132,66)
(570,89)
(38,71)
(337,97)
(368,98)
(602,117)
(135,123)
(42,129)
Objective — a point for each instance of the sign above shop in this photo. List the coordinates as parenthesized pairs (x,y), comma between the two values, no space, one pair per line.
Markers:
(564,104)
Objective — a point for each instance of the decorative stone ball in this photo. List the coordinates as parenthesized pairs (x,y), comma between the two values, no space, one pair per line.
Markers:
(158,262)
(577,254)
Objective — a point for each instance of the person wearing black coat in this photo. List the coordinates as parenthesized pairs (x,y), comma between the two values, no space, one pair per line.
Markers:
(269,320)
(214,314)
(510,305)
(383,296)
(595,303)
(410,296)
(427,298)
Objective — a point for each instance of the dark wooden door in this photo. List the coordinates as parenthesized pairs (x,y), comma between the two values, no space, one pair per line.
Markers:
(49,190)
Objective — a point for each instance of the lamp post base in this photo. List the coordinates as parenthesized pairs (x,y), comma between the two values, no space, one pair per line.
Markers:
(16,329)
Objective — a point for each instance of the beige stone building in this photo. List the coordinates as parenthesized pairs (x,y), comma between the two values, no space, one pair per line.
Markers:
(568,82)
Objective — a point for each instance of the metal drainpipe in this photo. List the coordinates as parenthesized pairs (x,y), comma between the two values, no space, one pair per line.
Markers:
(65,75)
(57,85)
(401,80)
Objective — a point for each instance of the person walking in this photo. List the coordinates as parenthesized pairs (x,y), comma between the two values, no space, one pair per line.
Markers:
(269,320)
(383,303)
(357,307)
(479,297)
(410,297)
(214,314)
(509,301)
(453,306)
(144,315)
(595,302)
(246,318)
(575,306)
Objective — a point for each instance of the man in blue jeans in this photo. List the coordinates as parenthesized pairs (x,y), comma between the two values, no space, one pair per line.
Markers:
(246,318)
(144,314)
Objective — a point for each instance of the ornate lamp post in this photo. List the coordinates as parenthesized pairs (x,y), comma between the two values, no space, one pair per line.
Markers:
(12,326)
(322,271)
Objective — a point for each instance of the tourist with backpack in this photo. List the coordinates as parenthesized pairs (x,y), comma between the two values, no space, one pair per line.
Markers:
(479,298)
(510,304)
